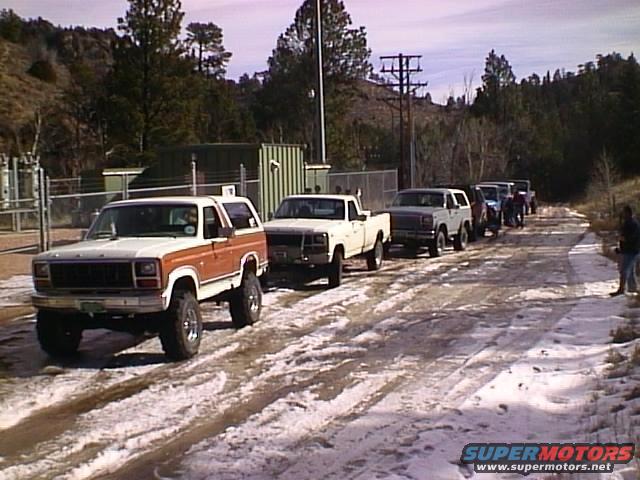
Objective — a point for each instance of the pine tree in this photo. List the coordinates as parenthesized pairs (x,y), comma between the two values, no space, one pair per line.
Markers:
(206,40)
(152,96)
(286,106)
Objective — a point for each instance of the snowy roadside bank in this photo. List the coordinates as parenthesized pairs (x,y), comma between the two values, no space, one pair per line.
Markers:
(550,395)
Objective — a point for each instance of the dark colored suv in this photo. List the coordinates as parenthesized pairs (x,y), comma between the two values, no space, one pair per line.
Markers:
(478,208)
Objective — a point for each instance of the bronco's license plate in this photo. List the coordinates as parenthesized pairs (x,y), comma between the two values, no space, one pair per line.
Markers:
(91,307)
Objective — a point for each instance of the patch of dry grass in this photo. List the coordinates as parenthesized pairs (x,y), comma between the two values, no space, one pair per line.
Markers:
(597,211)
(624,333)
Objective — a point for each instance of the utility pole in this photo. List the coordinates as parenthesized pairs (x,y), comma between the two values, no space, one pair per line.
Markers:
(401,67)
(322,156)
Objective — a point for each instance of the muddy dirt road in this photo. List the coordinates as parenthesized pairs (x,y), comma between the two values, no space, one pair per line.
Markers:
(302,391)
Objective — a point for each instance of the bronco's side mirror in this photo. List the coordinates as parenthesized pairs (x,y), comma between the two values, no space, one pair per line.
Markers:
(227,232)
(83,234)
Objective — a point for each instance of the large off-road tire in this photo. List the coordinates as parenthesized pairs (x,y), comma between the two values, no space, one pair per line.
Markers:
(335,270)
(246,301)
(386,248)
(436,246)
(181,329)
(461,239)
(375,256)
(58,336)
(473,233)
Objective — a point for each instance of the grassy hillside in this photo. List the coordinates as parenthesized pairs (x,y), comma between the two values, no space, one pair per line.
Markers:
(377,105)
(24,93)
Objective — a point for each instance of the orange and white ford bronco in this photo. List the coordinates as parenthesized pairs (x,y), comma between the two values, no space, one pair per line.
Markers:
(145,265)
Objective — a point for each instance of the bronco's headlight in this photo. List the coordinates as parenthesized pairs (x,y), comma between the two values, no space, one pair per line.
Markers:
(41,270)
(147,268)
(322,239)
(427,221)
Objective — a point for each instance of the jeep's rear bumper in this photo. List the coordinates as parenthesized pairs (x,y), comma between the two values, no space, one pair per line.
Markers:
(102,304)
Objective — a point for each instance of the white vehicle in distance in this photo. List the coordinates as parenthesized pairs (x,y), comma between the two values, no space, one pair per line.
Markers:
(431,217)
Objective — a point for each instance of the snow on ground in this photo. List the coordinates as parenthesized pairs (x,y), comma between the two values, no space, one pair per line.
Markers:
(408,418)
(16,291)
(544,396)
(103,438)
(541,398)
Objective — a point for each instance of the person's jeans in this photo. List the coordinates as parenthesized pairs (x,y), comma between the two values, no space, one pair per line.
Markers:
(629,271)
(519,209)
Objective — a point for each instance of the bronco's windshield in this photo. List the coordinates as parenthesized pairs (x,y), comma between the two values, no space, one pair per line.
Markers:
(179,220)
(521,186)
(319,208)
(419,199)
(490,193)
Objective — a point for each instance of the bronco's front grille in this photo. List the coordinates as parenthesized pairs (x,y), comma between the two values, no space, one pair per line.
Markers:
(92,275)
(405,222)
(284,239)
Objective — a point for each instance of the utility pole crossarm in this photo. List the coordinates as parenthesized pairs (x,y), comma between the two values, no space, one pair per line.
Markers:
(402,67)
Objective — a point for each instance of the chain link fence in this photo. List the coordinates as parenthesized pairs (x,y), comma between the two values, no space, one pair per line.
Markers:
(74,202)
(377,187)
(78,209)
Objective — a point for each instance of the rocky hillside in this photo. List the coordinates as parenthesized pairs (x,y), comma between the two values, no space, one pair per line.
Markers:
(34,74)
(377,104)
(24,93)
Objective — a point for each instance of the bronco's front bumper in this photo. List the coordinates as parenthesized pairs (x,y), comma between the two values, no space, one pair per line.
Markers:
(102,304)
(416,236)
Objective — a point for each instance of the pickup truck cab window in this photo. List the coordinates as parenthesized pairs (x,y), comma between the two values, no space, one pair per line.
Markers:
(148,220)
(316,208)
(462,201)
(353,212)
(450,203)
(240,215)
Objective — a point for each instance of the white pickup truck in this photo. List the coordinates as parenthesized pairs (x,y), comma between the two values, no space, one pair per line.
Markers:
(431,217)
(323,230)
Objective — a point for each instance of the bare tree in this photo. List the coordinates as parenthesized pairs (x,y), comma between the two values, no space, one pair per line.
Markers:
(603,178)
(467,92)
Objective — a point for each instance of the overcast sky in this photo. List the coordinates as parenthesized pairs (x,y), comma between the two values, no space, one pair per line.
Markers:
(454,36)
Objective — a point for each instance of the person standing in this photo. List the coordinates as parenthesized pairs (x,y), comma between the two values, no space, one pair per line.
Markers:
(628,250)
(519,208)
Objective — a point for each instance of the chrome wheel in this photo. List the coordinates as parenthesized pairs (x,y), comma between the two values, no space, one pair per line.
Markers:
(441,243)
(253,300)
(379,250)
(190,325)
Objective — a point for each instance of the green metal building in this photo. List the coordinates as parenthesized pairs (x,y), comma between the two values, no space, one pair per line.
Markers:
(273,171)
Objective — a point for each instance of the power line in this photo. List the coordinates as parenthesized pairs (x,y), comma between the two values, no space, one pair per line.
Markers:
(402,67)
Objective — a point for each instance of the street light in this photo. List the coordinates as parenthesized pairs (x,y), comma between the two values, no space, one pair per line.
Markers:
(322,158)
